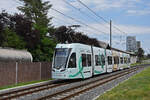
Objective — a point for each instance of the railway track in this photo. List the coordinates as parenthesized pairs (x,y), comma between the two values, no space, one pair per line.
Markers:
(22,92)
(74,91)
(68,92)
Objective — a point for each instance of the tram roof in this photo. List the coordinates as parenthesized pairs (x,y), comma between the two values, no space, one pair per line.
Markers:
(107,46)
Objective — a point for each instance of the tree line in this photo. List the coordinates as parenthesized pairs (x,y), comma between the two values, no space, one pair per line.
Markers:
(28,29)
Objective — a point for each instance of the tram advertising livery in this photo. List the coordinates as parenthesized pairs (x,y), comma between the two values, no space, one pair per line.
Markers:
(75,60)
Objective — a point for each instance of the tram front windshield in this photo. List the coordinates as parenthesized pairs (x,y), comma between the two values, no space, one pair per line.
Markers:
(61,56)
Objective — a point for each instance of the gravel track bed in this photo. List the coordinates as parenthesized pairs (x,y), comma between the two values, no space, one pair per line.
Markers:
(86,96)
(96,92)
(60,88)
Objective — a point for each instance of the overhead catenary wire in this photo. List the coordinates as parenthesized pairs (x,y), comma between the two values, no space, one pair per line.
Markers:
(81,29)
(77,20)
(83,13)
(92,11)
(98,15)
(85,30)
(59,19)
(81,21)
(70,18)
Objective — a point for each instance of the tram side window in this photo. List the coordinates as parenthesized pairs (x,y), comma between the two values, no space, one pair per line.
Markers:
(116,60)
(72,61)
(109,60)
(129,60)
(121,60)
(84,60)
(103,59)
(125,60)
(97,60)
(89,59)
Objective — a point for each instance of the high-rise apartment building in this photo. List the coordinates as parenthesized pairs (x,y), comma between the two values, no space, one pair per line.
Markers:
(131,44)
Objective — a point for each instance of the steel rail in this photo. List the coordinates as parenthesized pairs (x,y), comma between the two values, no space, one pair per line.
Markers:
(30,90)
(83,85)
(93,86)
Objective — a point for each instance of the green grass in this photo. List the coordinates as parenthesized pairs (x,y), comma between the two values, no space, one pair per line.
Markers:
(135,64)
(136,88)
(22,84)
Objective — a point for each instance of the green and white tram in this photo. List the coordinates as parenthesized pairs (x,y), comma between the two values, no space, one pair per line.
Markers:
(75,60)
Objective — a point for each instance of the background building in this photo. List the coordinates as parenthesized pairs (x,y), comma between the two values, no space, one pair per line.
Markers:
(131,44)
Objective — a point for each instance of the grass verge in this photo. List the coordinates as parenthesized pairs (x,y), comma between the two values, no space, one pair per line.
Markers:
(136,88)
(22,84)
(135,64)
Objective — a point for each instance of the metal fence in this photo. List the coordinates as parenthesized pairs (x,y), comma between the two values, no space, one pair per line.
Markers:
(14,72)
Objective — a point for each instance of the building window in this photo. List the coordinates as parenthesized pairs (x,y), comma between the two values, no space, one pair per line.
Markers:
(72,61)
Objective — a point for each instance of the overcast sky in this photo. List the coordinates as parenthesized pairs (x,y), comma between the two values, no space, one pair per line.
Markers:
(130,16)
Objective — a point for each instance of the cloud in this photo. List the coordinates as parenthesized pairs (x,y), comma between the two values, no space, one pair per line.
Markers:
(103,4)
(138,12)
(10,5)
(111,4)
(132,29)
(59,19)
(59,5)
(128,29)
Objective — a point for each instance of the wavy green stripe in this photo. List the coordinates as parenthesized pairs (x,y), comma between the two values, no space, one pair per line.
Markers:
(98,72)
(102,65)
(80,69)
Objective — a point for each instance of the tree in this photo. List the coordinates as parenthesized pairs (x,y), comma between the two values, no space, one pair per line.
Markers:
(23,27)
(8,37)
(36,11)
(13,40)
(3,23)
(148,56)
(140,54)
(64,34)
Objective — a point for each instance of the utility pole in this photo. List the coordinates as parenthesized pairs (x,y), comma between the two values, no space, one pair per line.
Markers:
(110,33)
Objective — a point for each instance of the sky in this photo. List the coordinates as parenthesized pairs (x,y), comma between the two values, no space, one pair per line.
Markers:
(129,18)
